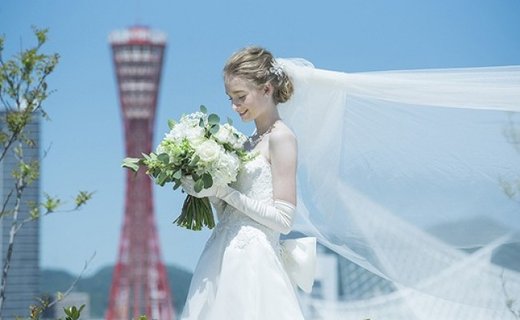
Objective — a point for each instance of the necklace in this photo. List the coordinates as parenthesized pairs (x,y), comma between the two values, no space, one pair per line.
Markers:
(255,138)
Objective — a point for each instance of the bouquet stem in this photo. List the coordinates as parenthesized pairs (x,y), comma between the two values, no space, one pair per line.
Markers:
(196,213)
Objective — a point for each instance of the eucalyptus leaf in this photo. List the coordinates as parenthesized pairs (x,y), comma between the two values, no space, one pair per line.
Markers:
(164,158)
(199,185)
(229,121)
(161,179)
(214,129)
(208,180)
(213,119)
(203,109)
(177,175)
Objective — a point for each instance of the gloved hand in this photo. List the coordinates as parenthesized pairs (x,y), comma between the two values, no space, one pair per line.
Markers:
(278,216)
(188,185)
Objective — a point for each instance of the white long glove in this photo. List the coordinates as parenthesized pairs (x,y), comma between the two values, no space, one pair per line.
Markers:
(278,217)
(219,205)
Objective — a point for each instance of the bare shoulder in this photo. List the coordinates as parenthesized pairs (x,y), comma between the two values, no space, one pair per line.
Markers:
(282,135)
(282,143)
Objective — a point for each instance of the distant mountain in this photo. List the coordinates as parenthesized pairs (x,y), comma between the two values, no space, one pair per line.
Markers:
(98,286)
(465,232)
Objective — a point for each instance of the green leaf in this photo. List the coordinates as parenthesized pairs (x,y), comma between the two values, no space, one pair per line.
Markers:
(164,158)
(73,313)
(194,161)
(177,175)
(207,180)
(203,109)
(161,179)
(213,119)
(131,163)
(229,121)
(82,198)
(214,129)
(171,123)
(199,185)
(51,204)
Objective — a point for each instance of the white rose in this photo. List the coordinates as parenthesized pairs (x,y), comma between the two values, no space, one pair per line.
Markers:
(195,136)
(224,134)
(208,151)
(177,133)
(193,119)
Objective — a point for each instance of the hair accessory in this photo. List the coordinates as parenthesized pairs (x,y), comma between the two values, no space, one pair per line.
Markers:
(277,70)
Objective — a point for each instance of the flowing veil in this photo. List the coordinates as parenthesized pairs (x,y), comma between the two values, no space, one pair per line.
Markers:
(407,174)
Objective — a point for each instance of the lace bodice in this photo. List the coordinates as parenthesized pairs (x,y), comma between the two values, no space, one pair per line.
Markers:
(255,181)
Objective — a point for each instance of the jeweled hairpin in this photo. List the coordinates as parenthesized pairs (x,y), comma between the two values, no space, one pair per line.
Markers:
(277,71)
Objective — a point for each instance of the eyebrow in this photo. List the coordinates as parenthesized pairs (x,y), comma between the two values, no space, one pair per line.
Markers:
(235,92)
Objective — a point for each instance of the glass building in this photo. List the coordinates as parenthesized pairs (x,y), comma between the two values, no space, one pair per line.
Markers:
(22,287)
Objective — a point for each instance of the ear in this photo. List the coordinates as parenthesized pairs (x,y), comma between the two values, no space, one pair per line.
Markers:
(268,89)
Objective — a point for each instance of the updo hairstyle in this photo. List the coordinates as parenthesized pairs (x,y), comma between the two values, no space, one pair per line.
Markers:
(258,66)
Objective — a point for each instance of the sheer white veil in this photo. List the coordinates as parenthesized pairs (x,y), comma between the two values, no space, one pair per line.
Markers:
(403,173)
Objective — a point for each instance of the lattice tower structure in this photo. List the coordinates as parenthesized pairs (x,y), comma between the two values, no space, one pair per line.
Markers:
(139,283)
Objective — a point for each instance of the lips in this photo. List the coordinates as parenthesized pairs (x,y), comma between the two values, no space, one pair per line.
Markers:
(242,113)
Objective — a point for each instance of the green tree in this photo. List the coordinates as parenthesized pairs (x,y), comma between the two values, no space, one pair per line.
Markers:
(23,90)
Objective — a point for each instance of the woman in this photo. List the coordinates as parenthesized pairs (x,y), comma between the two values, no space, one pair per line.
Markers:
(404,173)
(242,273)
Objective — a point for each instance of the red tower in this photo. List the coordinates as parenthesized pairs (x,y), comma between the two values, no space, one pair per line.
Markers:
(139,283)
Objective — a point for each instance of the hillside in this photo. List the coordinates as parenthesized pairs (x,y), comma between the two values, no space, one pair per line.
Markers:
(98,286)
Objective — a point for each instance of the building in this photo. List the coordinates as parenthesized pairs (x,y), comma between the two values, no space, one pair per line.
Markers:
(477,286)
(22,286)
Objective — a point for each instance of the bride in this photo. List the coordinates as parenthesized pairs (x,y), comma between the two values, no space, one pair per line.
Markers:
(412,175)
(244,272)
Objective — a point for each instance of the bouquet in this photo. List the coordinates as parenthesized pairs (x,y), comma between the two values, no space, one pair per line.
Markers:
(197,146)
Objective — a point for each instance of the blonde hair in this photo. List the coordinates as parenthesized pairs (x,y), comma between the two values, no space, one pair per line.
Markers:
(257,65)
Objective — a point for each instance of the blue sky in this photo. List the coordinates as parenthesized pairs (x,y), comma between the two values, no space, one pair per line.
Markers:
(85,134)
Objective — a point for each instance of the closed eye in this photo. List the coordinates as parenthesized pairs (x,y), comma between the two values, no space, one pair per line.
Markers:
(238,99)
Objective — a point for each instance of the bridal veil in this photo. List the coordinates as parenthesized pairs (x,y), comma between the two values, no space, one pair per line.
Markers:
(412,175)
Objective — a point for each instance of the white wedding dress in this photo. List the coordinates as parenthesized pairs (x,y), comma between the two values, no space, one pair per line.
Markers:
(243,270)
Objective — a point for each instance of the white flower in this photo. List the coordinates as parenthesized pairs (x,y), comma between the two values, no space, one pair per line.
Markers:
(224,134)
(160,149)
(208,151)
(182,130)
(228,134)
(193,119)
(225,169)
(240,140)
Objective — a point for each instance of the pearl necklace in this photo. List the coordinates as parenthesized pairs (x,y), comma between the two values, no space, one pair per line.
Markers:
(253,141)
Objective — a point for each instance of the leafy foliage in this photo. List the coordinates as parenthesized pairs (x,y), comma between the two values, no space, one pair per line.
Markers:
(23,89)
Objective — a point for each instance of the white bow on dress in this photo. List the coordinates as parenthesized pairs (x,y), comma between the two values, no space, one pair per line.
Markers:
(299,258)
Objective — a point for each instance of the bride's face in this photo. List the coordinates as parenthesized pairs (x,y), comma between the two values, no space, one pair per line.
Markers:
(246,99)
